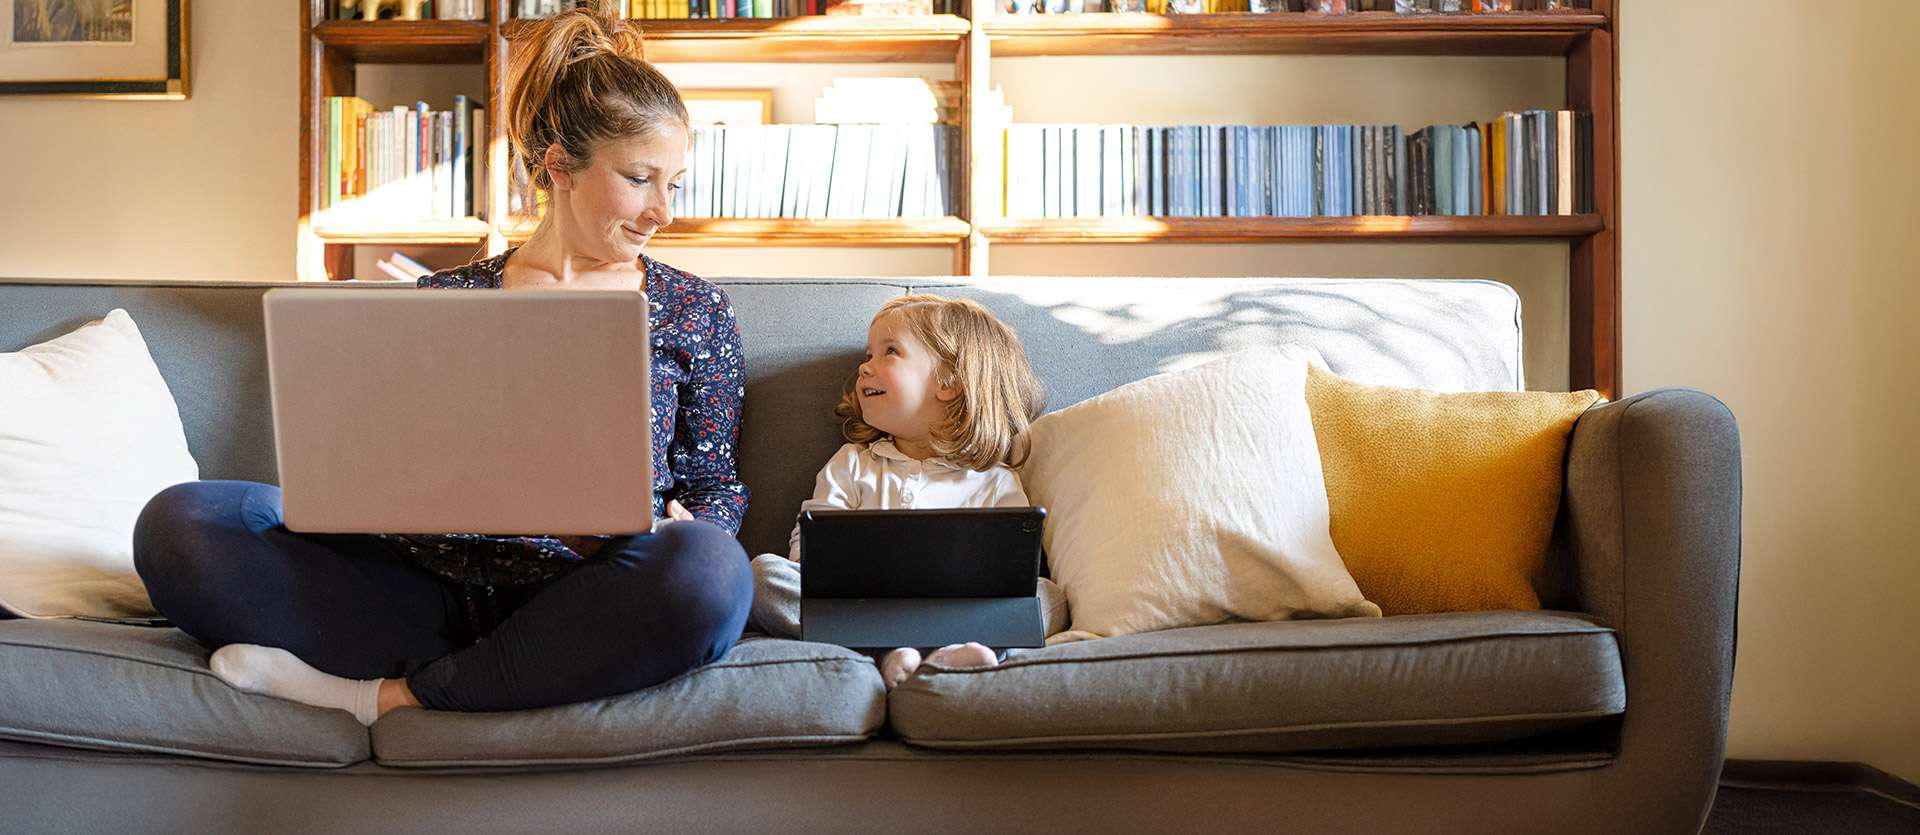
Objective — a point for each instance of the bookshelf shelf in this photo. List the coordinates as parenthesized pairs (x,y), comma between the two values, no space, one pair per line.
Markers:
(1273,229)
(1370,33)
(406,42)
(402,232)
(744,232)
(1584,41)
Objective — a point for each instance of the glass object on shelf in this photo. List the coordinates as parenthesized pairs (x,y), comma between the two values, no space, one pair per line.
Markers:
(1127,6)
(1327,6)
(459,10)
(1433,6)
(1266,6)
(1186,6)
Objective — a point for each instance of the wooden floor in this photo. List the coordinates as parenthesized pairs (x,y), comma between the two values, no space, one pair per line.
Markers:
(1785,798)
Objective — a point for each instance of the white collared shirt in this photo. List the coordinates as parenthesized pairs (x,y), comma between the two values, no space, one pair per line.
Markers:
(878,476)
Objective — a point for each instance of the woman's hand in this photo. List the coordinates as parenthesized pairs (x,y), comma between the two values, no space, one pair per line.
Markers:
(585,546)
(678,512)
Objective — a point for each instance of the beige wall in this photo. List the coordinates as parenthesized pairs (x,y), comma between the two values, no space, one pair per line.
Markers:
(1768,232)
(202,188)
(1771,231)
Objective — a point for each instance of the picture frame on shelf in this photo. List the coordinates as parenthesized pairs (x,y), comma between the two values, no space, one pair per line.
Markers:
(112,49)
(706,108)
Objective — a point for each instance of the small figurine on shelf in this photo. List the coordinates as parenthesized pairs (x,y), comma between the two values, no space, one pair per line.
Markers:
(403,9)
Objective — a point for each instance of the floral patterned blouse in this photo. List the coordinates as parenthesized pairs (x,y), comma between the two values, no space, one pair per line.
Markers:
(699,383)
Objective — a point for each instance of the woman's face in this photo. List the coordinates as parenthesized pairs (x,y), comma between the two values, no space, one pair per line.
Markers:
(616,204)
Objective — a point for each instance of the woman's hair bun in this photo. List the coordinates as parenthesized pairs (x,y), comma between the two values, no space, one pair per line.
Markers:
(578,79)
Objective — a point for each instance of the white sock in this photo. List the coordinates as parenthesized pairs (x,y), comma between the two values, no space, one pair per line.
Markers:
(277,672)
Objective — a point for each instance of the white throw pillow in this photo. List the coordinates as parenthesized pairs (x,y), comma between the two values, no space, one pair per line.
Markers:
(1191,498)
(88,434)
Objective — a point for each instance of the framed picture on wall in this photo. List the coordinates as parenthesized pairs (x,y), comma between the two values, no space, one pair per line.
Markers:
(117,49)
(728,107)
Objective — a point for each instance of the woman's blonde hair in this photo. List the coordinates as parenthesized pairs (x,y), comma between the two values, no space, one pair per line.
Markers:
(1000,396)
(579,79)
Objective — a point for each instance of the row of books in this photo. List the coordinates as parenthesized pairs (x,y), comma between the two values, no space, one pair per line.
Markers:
(697,9)
(720,9)
(820,171)
(1535,162)
(1407,7)
(404,163)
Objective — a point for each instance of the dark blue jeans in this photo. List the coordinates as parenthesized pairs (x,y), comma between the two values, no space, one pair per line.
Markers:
(218,563)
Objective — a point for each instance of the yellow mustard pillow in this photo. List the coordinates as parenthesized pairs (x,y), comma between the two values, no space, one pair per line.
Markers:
(1442,502)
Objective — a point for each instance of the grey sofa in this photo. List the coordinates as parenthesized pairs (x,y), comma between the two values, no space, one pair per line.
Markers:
(1603,712)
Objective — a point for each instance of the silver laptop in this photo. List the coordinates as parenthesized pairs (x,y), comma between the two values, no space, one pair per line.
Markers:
(446,411)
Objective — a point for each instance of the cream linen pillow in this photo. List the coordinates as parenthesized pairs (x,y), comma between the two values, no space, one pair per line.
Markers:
(1190,498)
(88,433)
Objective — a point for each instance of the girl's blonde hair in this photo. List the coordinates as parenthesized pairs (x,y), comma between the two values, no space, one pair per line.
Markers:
(579,79)
(1000,396)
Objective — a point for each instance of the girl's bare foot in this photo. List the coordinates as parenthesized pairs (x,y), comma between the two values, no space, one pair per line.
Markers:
(899,664)
(969,654)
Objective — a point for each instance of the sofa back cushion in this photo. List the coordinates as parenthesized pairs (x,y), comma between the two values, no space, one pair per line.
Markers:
(803,339)
(207,339)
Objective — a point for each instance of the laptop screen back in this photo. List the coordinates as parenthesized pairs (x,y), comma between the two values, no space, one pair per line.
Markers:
(442,411)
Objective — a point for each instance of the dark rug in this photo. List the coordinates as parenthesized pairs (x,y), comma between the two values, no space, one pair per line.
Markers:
(1809,810)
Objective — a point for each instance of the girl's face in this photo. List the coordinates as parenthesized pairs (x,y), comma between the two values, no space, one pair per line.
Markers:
(901,386)
(617,202)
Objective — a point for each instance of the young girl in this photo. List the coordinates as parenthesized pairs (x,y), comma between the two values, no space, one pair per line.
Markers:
(936,418)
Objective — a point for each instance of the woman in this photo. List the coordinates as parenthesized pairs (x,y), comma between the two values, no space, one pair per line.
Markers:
(370,622)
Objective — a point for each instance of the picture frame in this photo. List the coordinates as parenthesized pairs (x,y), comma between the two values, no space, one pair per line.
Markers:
(706,108)
(109,49)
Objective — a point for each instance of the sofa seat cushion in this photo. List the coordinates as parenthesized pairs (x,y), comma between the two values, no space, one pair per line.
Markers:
(1436,679)
(140,689)
(765,693)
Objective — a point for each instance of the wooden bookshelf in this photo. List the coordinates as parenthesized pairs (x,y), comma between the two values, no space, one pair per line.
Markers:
(1583,40)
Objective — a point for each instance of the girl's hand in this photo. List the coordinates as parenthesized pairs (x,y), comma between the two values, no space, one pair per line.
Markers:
(678,512)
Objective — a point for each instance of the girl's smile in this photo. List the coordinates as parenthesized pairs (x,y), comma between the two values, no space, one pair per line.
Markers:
(903,390)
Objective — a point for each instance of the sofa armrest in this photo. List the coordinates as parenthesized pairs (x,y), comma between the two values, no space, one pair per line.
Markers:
(1652,514)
